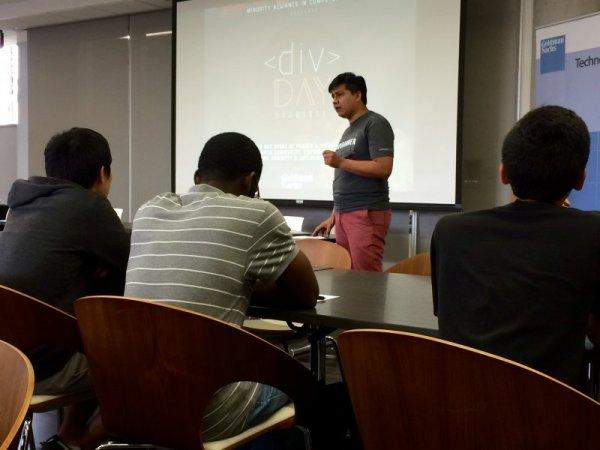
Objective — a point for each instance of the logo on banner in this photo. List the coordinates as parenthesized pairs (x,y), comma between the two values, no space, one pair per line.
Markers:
(552,57)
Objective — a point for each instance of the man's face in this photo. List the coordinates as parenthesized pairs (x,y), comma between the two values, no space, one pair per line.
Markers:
(345,102)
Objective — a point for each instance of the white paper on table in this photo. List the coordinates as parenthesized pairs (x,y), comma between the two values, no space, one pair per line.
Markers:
(323,298)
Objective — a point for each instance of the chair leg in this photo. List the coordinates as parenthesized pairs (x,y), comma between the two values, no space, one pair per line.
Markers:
(306,436)
(299,351)
(27,439)
(330,341)
(122,445)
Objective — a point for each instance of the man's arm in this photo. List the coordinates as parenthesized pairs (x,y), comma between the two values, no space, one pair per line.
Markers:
(295,288)
(375,168)
(108,242)
(279,273)
(105,237)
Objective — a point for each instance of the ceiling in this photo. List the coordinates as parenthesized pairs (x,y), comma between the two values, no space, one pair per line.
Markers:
(24,14)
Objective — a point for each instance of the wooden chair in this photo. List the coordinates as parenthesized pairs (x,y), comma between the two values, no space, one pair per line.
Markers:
(411,391)
(155,368)
(16,387)
(415,265)
(27,323)
(323,253)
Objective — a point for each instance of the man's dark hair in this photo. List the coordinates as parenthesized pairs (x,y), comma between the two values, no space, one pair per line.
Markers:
(545,153)
(77,155)
(229,156)
(354,83)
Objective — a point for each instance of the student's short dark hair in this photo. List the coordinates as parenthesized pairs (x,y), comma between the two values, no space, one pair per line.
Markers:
(545,153)
(229,156)
(354,83)
(77,155)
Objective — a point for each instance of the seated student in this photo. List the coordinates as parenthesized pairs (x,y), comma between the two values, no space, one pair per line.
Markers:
(62,241)
(209,250)
(521,280)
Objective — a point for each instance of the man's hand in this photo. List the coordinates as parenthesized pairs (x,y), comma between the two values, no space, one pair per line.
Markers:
(371,168)
(331,159)
(325,226)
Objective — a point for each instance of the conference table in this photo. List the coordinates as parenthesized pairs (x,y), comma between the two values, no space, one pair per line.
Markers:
(363,300)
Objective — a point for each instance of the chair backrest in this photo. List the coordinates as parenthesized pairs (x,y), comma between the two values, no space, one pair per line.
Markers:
(411,391)
(16,388)
(27,323)
(323,253)
(415,265)
(155,367)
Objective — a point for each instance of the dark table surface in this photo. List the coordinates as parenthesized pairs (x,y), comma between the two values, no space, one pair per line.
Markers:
(366,300)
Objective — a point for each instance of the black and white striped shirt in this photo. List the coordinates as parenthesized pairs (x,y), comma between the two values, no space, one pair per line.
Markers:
(205,250)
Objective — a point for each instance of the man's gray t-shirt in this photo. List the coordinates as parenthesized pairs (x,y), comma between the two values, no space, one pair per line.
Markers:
(368,137)
(205,250)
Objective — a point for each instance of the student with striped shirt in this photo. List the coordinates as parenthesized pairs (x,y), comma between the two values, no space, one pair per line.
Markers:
(210,250)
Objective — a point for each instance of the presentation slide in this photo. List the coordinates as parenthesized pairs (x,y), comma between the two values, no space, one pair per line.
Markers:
(263,68)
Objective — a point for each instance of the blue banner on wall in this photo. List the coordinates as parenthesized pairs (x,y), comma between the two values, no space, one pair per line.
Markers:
(568,74)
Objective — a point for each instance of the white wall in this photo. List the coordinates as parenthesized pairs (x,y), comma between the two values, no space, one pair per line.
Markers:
(490,97)
(109,76)
(8,159)
(547,12)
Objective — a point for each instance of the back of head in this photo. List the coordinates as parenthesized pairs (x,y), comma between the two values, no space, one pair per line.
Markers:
(545,154)
(77,155)
(354,83)
(228,157)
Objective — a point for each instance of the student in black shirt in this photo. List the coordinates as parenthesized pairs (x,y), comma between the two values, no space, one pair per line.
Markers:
(63,240)
(522,281)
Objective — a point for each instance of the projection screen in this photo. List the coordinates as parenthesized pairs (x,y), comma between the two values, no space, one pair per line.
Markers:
(263,68)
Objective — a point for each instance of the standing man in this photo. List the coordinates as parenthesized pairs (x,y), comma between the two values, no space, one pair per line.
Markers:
(363,162)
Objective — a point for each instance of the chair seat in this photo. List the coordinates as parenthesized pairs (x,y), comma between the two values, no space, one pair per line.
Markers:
(284,418)
(44,403)
(270,329)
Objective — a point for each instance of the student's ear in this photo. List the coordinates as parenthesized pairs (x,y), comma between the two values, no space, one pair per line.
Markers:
(580,180)
(102,184)
(197,177)
(503,177)
(103,175)
(250,183)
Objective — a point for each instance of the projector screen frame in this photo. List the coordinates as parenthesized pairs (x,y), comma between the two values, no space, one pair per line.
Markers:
(397,206)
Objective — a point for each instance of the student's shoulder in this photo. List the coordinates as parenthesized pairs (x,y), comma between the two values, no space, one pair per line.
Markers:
(462,218)
(269,210)
(243,204)
(456,226)
(591,216)
(583,219)
(161,204)
(376,118)
(166,200)
(82,201)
